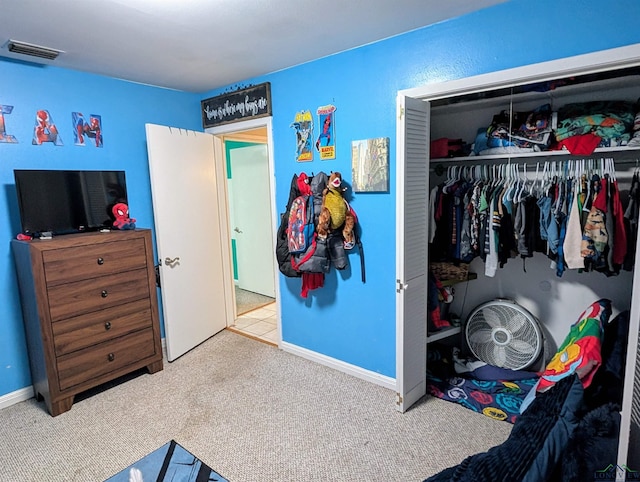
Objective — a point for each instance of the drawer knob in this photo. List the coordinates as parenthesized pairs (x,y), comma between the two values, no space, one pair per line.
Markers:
(107,325)
(101,261)
(104,293)
(111,356)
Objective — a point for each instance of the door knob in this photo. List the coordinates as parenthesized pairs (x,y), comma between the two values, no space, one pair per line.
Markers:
(170,261)
(237,230)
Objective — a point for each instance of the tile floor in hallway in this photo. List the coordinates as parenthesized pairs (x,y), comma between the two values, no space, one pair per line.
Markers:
(259,324)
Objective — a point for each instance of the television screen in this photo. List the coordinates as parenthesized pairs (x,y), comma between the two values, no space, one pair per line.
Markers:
(62,202)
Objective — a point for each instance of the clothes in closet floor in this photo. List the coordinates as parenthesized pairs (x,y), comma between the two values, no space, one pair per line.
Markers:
(259,324)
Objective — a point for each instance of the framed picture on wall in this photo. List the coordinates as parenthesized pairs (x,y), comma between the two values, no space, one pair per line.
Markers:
(370,165)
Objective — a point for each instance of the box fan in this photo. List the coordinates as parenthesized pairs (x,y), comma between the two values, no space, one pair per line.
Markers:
(504,334)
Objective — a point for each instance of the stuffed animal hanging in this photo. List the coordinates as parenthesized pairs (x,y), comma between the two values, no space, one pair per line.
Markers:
(335,213)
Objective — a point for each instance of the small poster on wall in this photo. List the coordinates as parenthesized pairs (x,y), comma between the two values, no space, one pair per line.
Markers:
(326,142)
(370,165)
(303,125)
(45,129)
(90,131)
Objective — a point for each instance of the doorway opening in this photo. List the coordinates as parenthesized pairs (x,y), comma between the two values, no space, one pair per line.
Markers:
(248,168)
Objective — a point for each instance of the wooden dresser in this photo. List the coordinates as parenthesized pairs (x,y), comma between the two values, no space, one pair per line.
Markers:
(90,310)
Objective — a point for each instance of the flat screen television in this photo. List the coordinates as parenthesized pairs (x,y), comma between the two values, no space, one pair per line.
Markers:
(53,202)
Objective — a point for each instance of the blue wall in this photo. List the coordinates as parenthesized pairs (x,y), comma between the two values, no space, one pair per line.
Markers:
(346,319)
(125,107)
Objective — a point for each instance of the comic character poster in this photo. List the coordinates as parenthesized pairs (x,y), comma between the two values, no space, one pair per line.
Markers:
(87,132)
(326,142)
(45,129)
(4,137)
(303,124)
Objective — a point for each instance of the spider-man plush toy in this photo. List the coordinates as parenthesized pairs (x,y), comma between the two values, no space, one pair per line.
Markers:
(123,221)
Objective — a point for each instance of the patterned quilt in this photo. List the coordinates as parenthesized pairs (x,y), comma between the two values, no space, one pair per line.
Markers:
(499,399)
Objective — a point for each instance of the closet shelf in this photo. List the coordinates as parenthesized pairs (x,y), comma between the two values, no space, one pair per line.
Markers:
(537,156)
(451,282)
(446,333)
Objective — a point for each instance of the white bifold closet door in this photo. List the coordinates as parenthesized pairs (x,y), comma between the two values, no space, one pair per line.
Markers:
(412,249)
(186,208)
(629,441)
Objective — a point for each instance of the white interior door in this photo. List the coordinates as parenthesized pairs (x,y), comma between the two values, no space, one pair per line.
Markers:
(412,175)
(188,239)
(252,227)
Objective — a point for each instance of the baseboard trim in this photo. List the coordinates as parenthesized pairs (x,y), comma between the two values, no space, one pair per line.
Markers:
(16,397)
(367,375)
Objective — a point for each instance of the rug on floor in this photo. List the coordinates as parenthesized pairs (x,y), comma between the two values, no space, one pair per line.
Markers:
(171,462)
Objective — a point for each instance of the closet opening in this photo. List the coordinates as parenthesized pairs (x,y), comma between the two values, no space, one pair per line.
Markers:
(508,138)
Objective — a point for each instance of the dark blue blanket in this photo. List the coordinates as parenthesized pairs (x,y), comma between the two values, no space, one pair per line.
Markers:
(535,444)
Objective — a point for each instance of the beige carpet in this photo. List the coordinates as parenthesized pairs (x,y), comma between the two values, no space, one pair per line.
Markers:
(251,412)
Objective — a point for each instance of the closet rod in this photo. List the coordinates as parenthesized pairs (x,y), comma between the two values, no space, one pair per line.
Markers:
(442,166)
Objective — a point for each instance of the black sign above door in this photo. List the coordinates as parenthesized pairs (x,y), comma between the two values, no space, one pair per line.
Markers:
(249,103)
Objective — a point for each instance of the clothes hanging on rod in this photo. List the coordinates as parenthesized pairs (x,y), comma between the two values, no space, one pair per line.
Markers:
(572,213)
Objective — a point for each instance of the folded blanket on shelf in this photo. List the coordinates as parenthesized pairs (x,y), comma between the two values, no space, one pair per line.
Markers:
(605,119)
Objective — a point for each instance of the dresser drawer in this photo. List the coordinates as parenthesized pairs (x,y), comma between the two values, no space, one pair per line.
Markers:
(98,360)
(85,330)
(66,265)
(90,310)
(80,297)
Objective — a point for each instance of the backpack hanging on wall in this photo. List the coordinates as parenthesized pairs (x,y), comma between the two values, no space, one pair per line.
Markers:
(303,213)
(300,224)
(295,238)
(282,247)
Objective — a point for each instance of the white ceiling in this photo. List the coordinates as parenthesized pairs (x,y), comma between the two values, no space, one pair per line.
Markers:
(198,45)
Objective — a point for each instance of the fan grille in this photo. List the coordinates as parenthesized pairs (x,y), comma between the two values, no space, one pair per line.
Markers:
(504,334)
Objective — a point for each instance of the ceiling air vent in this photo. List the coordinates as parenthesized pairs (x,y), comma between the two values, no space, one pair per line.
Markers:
(31,50)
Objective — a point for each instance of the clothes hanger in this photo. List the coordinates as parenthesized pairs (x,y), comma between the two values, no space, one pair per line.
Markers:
(612,168)
(544,181)
(449,180)
(535,187)
(523,186)
(477,173)
(589,175)
(579,177)
(508,185)
(551,178)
